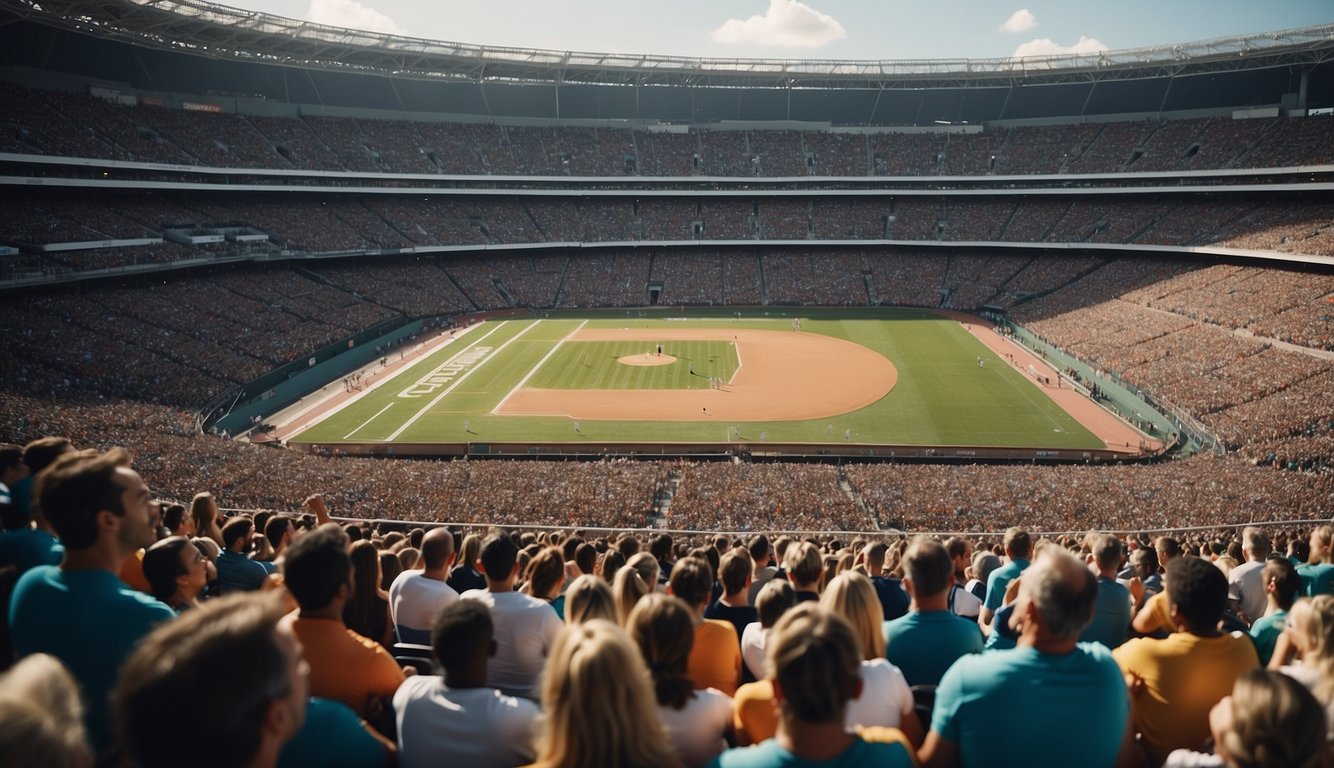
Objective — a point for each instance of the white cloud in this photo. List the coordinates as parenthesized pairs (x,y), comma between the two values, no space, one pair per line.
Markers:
(787,24)
(1045,46)
(350,14)
(1021,20)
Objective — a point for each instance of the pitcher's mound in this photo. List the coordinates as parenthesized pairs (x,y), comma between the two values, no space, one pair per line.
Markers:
(646,358)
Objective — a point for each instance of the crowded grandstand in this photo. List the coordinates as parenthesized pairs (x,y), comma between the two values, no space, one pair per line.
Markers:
(202,203)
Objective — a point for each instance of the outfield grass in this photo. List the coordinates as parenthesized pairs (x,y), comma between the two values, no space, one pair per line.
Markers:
(943,397)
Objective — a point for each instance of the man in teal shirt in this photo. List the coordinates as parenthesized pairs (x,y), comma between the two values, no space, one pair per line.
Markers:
(1111,611)
(1318,572)
(1281,585)
(81,612)
(1018,547)
(924,643)
(1052,701)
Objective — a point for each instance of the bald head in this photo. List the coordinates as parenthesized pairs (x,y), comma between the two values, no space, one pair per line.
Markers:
(1062,590)
(437,549)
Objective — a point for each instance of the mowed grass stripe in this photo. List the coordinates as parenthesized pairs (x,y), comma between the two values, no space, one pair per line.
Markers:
(596,365)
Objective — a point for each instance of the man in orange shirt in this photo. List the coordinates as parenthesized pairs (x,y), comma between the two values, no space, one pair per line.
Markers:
(344,666)
(715,659)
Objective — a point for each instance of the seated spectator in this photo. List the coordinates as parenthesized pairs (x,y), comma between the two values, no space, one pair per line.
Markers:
(589,597)
(815,663)
(278,531)
(457,719)
(176,572)
(1111,613)
(239,668)
(885,700)
(1306,650)
(367,610)
(734,573)
(344,666)
(177,521)
(715,659)
(544,577)
(1268,721)
(590,722)
(236,571)
(416,597)
(41,716)
(1018,548)
(930,638)
(1185,674)
(762,566)
(984,563)
(1281,585)
(804,569)
(80,612)
(465,575)
(204,515)
(628,587)
(960,601)
(774,600)
(1318,571)
(1245,587)
(697,720)
(525,627)
(893,600)
(37,456)
(1020,701)
(26,544)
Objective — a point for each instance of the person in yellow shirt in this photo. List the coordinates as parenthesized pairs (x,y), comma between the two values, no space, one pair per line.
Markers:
(1175,681)
(715,659)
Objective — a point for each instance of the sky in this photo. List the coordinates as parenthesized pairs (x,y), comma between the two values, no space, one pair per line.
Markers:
(811,29)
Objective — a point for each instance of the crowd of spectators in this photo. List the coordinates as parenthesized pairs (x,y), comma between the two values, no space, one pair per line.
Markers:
(81,125)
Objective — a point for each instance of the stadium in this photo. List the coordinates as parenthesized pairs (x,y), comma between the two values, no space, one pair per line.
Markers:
(217,216)
(563,330)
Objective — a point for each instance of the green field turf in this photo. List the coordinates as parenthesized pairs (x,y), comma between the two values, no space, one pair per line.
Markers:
(943,397)
(594,365)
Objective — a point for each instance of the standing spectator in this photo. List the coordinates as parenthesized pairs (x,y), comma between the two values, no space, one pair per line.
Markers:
(344,666)
(1185,674)
(1245,587)
(930,638)
(1111,612)
(457,719)
(715,659)
(416,597)
(79,611)
(236,571)
(1025,696)
(697,720)
(815,667)
(590,723)
(525,627)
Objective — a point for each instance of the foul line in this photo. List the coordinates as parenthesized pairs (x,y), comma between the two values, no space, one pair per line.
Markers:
(460,380)
(535,369)
(367,421)
(736,347)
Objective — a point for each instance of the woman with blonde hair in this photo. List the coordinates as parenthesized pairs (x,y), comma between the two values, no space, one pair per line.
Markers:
(1305,650)
(598,702)
(697,721)
(628,587)
(589,597)
(41,716)
(886,698)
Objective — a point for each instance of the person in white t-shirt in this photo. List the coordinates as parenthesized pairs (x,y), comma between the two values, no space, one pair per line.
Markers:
(416,597)
(773,601)
(525,628)
(697,721)
(457,720)
(1245,585)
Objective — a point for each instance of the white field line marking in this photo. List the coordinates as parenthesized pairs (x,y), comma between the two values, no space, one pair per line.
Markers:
(460,380)
(367,421)
(736,347)
(536,368)
(455,356)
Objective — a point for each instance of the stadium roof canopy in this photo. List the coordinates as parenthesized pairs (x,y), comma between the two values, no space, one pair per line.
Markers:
(220,32)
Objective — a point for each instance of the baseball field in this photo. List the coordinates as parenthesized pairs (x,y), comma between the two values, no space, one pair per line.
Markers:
(859,377)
